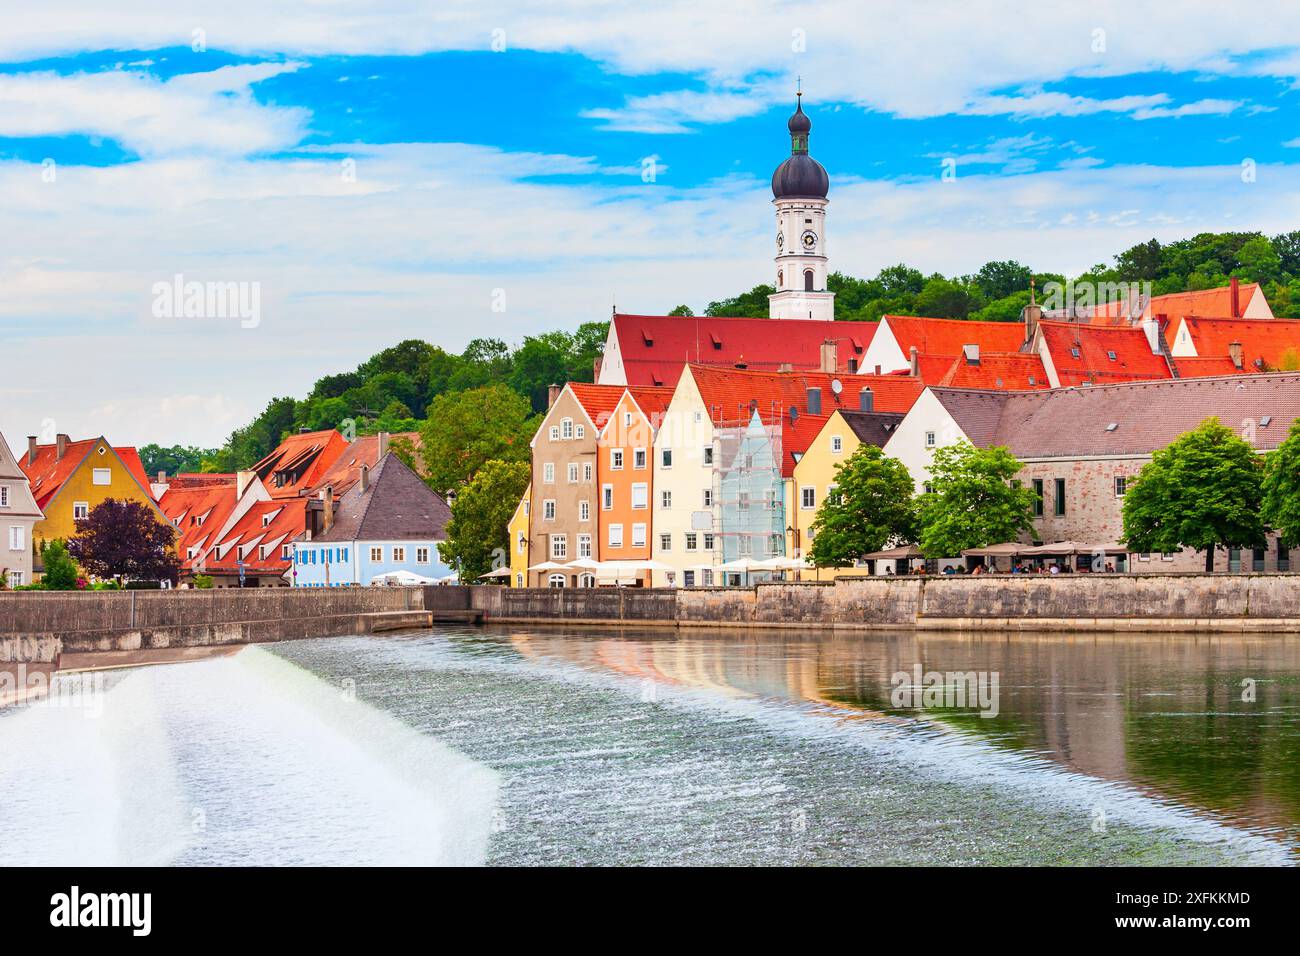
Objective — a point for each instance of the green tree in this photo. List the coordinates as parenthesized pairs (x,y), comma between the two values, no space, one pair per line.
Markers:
(682,310)
(872,508)
(173,460)
(945,299)
(1281,488)
(975,501)
(466,429)
(478,537)
(752,304)
(1202,491)
(60,570)
(997,280)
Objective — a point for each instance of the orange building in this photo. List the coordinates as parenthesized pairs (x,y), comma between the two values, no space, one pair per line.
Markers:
(624,472)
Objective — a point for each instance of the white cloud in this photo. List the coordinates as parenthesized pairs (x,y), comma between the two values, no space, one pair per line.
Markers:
(212,112)
(418,244)
(1198,108)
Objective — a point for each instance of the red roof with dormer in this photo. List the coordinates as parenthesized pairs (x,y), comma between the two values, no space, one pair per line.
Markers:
(1085,354)
(654,348)
(731,395)
(198,505)
(1266,344)
(996,371)
(299,462)
(598,401)
(273,523)
(47,472)
(947,337)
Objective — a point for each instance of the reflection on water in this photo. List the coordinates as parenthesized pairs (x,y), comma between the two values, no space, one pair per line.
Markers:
(1165,713)
(761,747)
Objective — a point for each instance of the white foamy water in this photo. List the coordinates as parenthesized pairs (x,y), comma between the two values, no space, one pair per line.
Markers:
(239,760)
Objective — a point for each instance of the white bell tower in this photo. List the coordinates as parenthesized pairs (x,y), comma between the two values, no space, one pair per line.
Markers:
(799,188)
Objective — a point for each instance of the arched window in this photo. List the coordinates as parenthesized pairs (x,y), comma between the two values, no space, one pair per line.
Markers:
(519,579)
(586,580)
(780,278)
(808,281)
(555,581)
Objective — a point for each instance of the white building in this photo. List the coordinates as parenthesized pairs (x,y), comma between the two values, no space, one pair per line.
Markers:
(18,514)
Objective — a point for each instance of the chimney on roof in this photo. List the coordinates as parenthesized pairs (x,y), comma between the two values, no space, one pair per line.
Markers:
(162,477)
(914,358)
(866,400)
(552,393)
(31,448)
(814,401)
(972,354)
(1032,315)
(242,480)
(61,446)
(1234,352)
(829,356)
(382,446)
(1235,294)
(365,478)
(328,497)
(785,367)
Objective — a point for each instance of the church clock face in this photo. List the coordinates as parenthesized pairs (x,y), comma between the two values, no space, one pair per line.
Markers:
(780,241)
(809,240)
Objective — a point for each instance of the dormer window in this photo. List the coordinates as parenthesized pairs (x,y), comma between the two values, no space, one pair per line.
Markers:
(1111,356)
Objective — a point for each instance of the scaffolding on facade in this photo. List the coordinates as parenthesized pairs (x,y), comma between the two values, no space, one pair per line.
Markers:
(748,492)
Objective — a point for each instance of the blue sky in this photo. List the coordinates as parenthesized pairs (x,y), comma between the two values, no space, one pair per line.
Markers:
(496,156)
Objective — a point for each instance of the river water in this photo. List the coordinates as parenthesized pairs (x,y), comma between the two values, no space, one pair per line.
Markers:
(548,746)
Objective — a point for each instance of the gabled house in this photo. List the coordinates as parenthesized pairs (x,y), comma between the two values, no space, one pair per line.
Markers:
(934,342)
(1244,300)
(564,486)
(68,478)
(1215,346)
(299,462)
(625,474)
(199,505)
(18,515)
(389,520)
(517,533)
(815,473)
(651,350)
(1076,353)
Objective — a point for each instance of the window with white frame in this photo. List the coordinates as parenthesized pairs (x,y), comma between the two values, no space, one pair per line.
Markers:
(929,439)
(16,578)
(566,428)
(421,555)
(665,457)
(559,546)
(606,497)
(548,509)
(640,495)
(573,473)
(666,541)
(584,510)
(555,433)
(837,444)
(616,536)
(586,471)
(522,544)
(742,501)
(708,541)
(708,497)
(376,554)
(579,431)
(548,473)
(692,541)
(584,545)
(286,553)
(264,552)
(80,509)
(4,496)
(616,459)
(1121,485)
(665,499)
(555,581)
(807,498)
(638,459)
(708,454)
(17,538)
(102,476)
(638,535)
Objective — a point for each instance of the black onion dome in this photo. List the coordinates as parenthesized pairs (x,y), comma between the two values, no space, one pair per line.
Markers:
(800,176)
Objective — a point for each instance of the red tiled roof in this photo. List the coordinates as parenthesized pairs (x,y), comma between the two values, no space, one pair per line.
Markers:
(1269,342)
(1177,305)
(303,459)
(191,499)
(598,401)
(1133,359)
(945,337)
(47,475)
(653,402)
(1014,371)
(654,348)
(288,525)
(729,393)
(796,437)
(1207,367)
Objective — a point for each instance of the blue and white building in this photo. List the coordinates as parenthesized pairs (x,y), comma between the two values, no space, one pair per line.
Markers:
(389,520)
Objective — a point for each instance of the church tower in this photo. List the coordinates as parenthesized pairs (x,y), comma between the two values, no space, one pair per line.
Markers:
(799,188)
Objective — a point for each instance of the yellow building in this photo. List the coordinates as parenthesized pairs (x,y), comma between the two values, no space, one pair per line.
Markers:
(68,478)
(814,475)
(519,543)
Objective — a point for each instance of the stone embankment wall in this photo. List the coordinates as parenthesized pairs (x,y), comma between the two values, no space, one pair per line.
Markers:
(132,620)
(1076,602)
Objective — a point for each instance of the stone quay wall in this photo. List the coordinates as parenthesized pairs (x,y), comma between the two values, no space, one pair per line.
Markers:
(1075,602)
(135,620)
